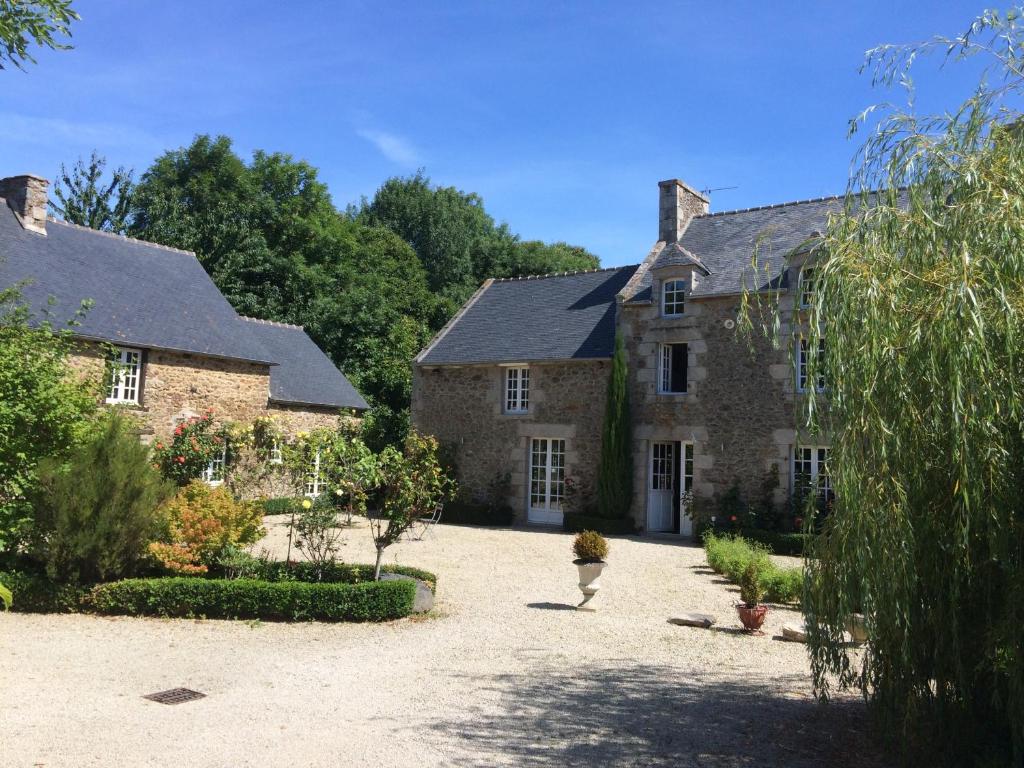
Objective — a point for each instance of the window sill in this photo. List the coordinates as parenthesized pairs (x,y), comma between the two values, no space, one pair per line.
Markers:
(129,406)
(516,414)
(672,395)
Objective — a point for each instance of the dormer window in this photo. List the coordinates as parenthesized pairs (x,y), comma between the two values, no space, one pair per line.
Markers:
(517,389)
(673,297)
(806,287)
(125,376)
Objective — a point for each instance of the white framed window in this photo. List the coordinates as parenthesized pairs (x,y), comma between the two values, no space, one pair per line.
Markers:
(314,480)
(673,297)
(803,365)
(125,376)
(806,286)
(547,479)
(810,468)
(517,389)
(276,457)
(672,368)
(214,472)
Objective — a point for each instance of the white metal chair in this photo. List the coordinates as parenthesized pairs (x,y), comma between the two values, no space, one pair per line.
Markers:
(425,525)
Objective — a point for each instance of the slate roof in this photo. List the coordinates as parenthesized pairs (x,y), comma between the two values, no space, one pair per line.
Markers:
(725,244)
(304,375)
(151,296)
(674,255)
(551,317)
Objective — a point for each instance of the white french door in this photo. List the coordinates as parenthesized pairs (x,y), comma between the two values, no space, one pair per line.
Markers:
(671,476)
(547,480)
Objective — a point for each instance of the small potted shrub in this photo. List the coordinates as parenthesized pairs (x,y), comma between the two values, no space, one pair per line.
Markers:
(590,549)
(752,612)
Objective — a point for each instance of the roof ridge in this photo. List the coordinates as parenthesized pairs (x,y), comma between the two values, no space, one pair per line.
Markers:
(276,323)
(770,206)
(122,238)
(561,274)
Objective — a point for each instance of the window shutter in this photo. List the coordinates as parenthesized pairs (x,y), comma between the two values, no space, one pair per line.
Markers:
(143,363)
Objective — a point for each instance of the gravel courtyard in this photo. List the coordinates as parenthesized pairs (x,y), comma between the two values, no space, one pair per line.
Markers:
(502,673)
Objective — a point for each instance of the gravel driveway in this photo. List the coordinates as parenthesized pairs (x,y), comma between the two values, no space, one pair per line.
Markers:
(502,673)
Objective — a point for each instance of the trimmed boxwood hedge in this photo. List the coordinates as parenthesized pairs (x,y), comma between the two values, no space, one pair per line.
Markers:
(251,599)
(338,573)
(608,526)
(779,543)
(281,505)
(469,513)
(35,593)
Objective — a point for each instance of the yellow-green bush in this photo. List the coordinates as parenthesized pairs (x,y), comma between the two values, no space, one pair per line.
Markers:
(731,556)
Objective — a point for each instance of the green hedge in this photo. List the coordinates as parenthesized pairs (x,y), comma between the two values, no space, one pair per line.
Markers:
(615,526)
(779,543)
(469,513)
(730,556)
(250,599)
(280,506)
(337,573)
(35,593)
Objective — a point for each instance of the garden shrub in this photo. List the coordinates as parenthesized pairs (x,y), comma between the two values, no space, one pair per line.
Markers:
(471,513)
(249,599)
(609,526)
(37,593)
(282,505)
(347,573)
(590,547)
(192,446)
(97,514)
(732,556)
(779,543)
(201,522)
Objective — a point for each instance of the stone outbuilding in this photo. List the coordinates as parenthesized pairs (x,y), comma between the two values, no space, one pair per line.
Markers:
(515,384)
(158,334)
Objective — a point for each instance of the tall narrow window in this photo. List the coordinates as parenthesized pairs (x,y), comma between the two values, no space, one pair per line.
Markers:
(517,390)
(803,365)
(673,296)
(214,472)
(314,480)
(276,457)
(810,470)
(806,286)
(125,375)
(672,369)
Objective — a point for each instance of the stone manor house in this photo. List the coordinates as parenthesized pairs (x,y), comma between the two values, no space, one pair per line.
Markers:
(516,382)
(179,347)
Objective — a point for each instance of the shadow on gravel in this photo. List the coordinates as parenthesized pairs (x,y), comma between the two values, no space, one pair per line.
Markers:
(639,715)
(552,606)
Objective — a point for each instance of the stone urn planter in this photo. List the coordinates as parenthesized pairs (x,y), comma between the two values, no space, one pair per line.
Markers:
(590,549)
(752,616)
(590,581)
(857,628)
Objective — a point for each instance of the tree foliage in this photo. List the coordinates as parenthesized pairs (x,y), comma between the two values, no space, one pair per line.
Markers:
(615,470)
(24,24)
(919,291)
(84,198)
(44,409)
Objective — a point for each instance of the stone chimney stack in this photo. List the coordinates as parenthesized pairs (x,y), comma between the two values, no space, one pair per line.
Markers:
(26,196)
(678,203)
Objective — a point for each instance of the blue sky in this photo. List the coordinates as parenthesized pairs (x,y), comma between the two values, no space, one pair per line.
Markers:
(563,116)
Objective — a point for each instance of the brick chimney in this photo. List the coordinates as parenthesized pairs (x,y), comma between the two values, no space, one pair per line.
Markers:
(678,203)
(26,196)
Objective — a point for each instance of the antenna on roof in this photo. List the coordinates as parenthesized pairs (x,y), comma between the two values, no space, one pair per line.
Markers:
(708,190)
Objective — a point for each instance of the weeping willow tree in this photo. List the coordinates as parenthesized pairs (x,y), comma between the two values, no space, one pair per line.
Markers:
(919,294)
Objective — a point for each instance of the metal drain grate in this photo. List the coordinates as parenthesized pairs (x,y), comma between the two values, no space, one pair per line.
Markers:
(175,696)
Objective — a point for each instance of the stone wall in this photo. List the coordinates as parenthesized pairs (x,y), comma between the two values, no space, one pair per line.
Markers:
(178,385)
(738,411)
(462,407)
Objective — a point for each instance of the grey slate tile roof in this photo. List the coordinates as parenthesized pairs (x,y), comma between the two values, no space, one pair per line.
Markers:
(674,255)
(725,243)
(551,317)
(150,296)
(304,375)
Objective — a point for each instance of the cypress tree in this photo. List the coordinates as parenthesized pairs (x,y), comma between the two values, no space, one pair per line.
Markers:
(615,472)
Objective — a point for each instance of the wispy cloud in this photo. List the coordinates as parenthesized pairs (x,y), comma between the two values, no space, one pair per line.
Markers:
(393,147)
(52,131)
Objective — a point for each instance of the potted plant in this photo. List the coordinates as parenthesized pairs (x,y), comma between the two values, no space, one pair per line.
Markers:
(752,612)
(590,548)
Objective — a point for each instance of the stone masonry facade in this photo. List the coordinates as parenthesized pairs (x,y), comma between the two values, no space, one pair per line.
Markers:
(462,407)
(178,385)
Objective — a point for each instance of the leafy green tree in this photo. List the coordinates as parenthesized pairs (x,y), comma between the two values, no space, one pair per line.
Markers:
(533,257)
(919,290)
(98,512)
(615,470)
(44,409)
(413,482)
(23,24)
(84,198)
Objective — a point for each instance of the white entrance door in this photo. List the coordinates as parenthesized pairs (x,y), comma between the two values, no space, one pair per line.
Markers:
(662,490)
(686,474)
(547,480)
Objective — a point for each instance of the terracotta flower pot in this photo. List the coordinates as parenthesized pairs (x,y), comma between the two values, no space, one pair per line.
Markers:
(590,581)
(752,616)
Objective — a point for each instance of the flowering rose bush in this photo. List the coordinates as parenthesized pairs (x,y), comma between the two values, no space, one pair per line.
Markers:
(201,522)
(194,443)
